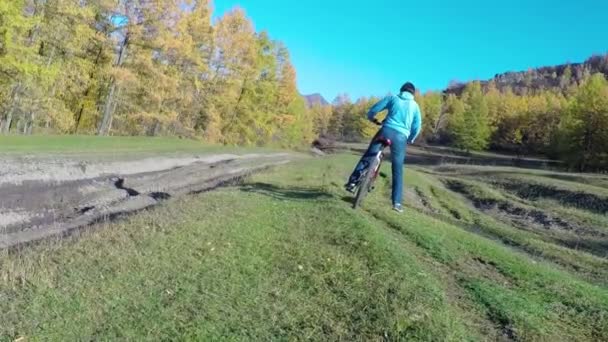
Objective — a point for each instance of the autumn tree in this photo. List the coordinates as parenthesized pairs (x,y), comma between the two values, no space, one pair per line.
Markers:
(20,66)
(431,106)
(290,105)
(321,117)
(585,129)
(138,30)
(341,109)
(470,123)
(231,75)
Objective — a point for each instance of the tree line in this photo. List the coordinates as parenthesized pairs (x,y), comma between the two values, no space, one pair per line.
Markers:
(568,123)
(145,67)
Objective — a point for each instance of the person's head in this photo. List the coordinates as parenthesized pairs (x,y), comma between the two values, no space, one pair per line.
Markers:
(409,87)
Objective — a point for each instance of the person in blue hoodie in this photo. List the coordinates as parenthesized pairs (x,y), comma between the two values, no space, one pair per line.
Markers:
(402,126)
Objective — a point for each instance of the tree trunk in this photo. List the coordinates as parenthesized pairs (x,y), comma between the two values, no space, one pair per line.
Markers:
(6,124)
(109,105)
(104,126)
(47,124)
(238,102)
(78,118)
(438,124)
(157,127)
(29,123)
(51,56)
(29,128)
(114,109)
(586,149)
(87,91)
(8,118)
(8,121)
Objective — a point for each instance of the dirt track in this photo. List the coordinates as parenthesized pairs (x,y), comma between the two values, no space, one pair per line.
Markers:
(437,155)
(40,198)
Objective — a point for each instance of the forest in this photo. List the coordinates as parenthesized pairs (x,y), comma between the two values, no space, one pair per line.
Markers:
(165,68)
(145,67)
(558,112)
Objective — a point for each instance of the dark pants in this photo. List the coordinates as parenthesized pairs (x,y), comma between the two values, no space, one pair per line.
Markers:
(398,149)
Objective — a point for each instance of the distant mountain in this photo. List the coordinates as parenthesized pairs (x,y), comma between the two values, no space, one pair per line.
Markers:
(315,99)
(559,77)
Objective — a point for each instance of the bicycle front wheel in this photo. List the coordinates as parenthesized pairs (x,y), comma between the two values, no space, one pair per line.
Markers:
(365,184)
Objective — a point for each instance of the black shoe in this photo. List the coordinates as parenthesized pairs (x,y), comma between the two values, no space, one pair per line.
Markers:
(350,187)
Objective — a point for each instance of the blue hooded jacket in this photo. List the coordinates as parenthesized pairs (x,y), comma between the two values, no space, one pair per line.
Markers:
(403,114)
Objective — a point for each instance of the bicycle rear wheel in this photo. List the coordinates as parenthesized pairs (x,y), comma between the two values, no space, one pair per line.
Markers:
(366,184)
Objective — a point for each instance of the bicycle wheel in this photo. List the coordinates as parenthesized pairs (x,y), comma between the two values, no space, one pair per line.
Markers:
(365,184)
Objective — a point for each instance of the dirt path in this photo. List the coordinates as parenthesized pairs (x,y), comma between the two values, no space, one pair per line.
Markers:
(44,197)
(438,155)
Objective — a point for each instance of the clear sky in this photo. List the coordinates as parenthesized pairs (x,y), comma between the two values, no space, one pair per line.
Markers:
(368,48)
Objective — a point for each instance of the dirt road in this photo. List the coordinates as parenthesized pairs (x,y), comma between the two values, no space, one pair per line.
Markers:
(43,197)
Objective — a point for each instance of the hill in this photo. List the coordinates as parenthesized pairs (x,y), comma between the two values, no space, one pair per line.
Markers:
(558,77)
(316,98)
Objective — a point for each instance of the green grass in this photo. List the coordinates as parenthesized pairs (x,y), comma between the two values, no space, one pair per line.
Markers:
(70,144)
(537,240)
(284,257)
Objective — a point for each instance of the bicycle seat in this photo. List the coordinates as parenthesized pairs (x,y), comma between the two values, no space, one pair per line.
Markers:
(384,141)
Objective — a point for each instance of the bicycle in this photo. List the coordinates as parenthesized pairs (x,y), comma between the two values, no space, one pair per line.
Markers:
(368,176)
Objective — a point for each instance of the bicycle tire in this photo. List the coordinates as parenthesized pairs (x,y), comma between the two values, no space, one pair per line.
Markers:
(365,185)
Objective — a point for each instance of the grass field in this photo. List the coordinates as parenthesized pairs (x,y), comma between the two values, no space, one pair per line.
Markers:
(482,253)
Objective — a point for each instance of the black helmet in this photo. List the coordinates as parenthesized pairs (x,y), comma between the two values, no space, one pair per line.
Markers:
(409,87)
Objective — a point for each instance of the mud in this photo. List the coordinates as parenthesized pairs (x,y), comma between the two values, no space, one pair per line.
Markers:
(582,200)
(525,217)
(562,231)
(455,214)
(42,198)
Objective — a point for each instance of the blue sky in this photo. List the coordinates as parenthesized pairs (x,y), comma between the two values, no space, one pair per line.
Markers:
(368,48)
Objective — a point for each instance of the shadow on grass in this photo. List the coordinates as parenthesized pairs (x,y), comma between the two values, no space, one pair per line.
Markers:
(348,199)
(284,193)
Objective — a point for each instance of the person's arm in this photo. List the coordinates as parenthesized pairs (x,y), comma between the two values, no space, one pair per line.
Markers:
(416,126)
(377,108)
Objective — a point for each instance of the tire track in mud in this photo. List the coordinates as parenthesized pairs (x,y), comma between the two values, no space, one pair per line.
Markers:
(587,266)
(545,224)
(577,199)
(32,210)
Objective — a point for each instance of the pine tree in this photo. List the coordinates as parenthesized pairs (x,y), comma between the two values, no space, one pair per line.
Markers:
(20,66)
(585,130)
(232,73)
(470,123)
(290,105)
(431,106)
(321,116)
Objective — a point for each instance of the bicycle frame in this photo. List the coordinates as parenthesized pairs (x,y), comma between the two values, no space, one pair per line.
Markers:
(366,184)
(380,158)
